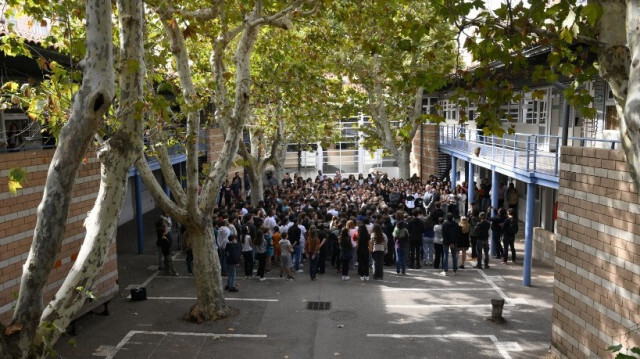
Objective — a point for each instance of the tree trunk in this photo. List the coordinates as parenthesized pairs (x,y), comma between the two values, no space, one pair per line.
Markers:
(90,104)
(256,178)
(116,156)
(210,303)
(403,157)
(278,164)
(630,124)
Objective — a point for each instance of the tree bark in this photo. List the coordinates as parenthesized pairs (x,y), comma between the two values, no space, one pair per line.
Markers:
(116,155)
(89,106)
(630,125)
(210,303)
(404,162)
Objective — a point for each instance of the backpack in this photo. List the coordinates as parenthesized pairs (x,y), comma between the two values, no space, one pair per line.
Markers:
(512,226)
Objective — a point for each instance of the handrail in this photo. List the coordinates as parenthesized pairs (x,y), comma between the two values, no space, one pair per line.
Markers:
(529,152)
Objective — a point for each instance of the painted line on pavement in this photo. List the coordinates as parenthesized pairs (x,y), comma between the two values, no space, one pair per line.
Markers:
(194,298)
(420,306)
(433,289)
(129,335)
(502,349)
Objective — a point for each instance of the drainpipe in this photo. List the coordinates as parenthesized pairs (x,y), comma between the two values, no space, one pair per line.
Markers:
(565,119)
(422,150)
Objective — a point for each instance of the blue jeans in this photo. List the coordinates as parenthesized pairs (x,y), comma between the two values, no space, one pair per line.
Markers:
(296,257)
(445,258)
(231,281)
(429,250)
(401,260)
(313,268)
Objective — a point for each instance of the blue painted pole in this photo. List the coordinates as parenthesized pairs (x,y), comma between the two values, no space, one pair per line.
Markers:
(494,204)
(528,234)
(494,191)
(471,188)
(139,220)
(454,172)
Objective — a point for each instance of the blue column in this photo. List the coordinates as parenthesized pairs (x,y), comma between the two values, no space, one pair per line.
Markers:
(139,220)
(471,188)
(494,203)
(494,191)
(528,233)
(454,172)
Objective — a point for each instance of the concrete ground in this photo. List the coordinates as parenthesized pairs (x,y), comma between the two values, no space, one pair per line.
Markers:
(420,315)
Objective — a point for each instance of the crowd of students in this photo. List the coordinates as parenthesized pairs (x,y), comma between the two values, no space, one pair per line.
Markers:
(357,222)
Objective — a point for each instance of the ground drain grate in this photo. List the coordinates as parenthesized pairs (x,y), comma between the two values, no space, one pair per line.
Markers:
(318,305)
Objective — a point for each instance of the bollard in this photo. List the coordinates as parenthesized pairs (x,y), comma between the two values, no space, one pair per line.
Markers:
(496,311)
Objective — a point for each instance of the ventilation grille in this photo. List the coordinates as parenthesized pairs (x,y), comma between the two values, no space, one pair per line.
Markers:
(318,305)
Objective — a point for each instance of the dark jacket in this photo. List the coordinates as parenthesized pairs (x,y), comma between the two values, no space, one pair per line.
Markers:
(294,234)
(450,233)
(482,230)
(234,251)
(416,228)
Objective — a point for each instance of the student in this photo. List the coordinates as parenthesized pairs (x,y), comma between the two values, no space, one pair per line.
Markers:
(312,249)
(247,252)
(437,242)
(260,246)
(379,248)
(364,251)
(463,244)
(401,235)
(510,228)
(233,249)
(285,255)
(482,233)
(346,252)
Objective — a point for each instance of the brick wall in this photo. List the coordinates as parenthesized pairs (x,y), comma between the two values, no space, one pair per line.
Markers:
(18,219)
(215,138)
(428,146)
(544,246)
(597,273)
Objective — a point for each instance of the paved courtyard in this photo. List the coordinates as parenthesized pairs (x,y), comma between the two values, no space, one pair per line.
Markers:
(420,315)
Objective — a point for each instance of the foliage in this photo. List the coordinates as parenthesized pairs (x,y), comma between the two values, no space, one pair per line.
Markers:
(387,52)
(618,348)
(17,178)
(503,42)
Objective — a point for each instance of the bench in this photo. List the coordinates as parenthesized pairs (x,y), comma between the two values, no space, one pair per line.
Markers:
(89,306)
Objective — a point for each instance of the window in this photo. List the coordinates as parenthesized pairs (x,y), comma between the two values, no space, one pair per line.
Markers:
(534,111)
(449,110)
(611,121)
(510,112)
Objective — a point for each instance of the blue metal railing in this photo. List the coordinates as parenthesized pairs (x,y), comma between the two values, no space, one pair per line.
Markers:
(523,151)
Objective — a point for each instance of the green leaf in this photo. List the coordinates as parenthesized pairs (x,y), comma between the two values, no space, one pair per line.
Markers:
(593,12)
(17,177)
(615,348)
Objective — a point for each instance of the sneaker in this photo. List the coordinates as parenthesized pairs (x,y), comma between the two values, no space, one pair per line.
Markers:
(477,267)
(486,266)
(444,273)
(503,262)
(233,290)
(361,277)
(366,277)
(342,278)
(290,278)
(263,279)
(299,271)
(226,287)
(513,261)
(347,278)
(461,267)
(418,267)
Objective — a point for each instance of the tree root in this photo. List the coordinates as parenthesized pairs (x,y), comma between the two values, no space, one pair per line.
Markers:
(199,313)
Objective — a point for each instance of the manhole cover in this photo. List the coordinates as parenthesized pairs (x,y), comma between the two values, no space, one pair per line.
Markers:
(318,305)
(342,315)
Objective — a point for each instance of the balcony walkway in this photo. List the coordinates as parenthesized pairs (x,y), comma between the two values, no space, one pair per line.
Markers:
(526,157)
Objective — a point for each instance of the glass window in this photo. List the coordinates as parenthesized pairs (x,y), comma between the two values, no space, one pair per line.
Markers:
(611,121)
